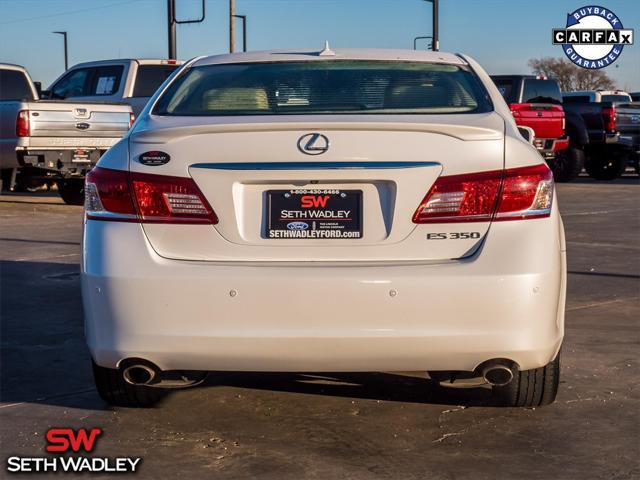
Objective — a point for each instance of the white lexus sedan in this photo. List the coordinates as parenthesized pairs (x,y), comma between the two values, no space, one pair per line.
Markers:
(305,211)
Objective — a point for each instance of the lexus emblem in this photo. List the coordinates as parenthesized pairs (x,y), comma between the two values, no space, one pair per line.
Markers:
(313,144)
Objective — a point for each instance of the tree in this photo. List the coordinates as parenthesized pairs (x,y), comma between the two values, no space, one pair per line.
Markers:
(570,76)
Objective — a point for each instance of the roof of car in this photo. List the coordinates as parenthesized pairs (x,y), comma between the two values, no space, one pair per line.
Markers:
(142,61)
(336,54)
(12,66)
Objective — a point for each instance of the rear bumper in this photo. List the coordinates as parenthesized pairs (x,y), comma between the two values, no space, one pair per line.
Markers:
(504,302)
(550,146)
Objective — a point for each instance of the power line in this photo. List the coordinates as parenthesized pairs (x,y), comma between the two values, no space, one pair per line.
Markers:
(73,12)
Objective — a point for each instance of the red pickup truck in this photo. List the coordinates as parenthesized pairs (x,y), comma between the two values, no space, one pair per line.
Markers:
(536,102)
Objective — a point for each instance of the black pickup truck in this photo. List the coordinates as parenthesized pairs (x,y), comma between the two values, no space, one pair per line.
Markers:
(608,132)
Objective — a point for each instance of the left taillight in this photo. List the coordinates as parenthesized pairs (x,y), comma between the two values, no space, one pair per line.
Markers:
(513,194)
(132,119)
(135,197)
(23,126)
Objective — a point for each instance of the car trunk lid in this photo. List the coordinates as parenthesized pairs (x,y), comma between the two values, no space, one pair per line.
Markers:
(388,165)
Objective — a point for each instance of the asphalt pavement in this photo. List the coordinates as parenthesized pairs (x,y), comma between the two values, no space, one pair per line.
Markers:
(347,426)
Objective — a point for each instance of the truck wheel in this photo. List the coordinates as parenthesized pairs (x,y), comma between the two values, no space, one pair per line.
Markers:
(608,168)
(531,388)
(115,391)
(567,165)
(71,190)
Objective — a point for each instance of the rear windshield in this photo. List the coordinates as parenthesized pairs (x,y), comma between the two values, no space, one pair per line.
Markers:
(541,91)
(507,88)
(150,77)
(324,87)
(615,98)
(14,86)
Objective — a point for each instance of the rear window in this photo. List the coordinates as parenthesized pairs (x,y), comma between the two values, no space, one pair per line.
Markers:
(541,91)
(150,77)
(507,88)
(324,87)
(14,86)
(615,98)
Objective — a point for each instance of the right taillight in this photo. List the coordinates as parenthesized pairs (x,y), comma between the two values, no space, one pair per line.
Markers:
(609,118)
(23,127)
(137,197)
(513,194)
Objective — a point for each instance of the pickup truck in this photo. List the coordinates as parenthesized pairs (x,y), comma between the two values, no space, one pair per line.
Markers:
(130,81)
(607,127)
(536,102)
(46,142)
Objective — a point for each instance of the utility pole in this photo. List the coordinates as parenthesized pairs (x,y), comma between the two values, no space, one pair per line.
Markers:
(244,31)
(435,42)
(66,51)
(232,27)
(435,45)
(171,26)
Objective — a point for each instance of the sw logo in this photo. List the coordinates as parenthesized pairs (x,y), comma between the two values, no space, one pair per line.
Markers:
(66,440)
(313,201)
(63,439)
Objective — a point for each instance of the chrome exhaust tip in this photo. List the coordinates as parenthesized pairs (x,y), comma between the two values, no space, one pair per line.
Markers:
(497,375)
(138,374)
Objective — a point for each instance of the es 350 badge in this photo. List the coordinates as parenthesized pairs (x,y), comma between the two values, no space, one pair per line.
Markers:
(593,37)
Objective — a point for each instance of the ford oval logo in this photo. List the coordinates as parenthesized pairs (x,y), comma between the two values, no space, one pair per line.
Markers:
(297,226)
(82,126)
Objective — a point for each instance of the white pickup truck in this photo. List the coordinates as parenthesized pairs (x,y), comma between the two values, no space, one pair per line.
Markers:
(52,141)
(130,81)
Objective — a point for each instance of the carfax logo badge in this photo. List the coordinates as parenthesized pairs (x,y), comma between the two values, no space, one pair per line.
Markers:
(593,38)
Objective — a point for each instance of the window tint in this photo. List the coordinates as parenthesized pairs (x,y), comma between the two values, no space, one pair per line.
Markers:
(507,88)
(14,86)
(150,77)
(105,80)
(576,99)
(541,91)
(73,84)
(615,98)
(324,87)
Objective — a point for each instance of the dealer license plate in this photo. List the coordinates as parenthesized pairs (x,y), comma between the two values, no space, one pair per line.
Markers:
(314,213)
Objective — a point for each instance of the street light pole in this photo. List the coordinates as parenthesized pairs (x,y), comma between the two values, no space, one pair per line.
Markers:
(232,27)
(66,51)
(171,28)
(244,31)
(435,44)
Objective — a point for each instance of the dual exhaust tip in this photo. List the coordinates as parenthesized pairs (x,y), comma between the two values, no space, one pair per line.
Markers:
(139,372)
(496,373)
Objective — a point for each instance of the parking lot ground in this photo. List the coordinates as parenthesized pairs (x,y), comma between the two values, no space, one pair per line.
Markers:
(292,426)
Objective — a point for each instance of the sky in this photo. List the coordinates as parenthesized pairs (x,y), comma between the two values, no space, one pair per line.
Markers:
(501,34)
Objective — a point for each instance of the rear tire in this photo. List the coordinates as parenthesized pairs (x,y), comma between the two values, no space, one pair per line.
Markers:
(71,190)
(609,168)
(115,391)
(567,165)
(531,388)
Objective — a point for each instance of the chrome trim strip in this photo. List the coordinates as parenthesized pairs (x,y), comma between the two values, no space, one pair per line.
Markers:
(313,165)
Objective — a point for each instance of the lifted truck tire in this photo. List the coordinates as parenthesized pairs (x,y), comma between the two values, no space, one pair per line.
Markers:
(567,165)
(115,391)
(71,190)
(606,168)
(530,388)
